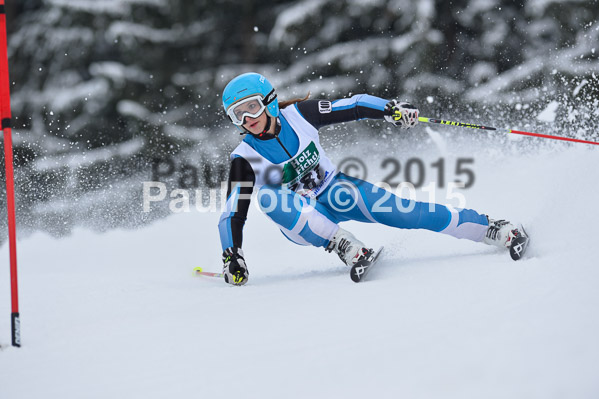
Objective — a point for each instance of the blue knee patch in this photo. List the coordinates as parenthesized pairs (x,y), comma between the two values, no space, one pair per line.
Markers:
(471,216)
(313,238)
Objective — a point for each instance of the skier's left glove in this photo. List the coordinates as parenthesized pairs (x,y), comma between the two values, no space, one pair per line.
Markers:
(234,267)
(404,115)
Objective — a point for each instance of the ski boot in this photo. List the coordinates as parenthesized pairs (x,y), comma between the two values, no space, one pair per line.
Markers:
(354,254)
(349,248)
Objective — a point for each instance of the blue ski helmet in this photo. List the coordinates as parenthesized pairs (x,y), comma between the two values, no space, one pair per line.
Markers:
(250,84)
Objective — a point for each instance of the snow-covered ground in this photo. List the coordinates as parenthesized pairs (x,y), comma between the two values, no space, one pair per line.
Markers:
(120,314)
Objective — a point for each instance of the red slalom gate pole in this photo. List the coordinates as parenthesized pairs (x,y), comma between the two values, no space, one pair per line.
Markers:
(10,181)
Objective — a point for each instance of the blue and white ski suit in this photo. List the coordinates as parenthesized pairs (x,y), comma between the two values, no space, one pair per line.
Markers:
(301,191)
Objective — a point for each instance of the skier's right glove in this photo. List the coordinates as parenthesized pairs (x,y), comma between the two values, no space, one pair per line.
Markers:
(234,268)
(404,115)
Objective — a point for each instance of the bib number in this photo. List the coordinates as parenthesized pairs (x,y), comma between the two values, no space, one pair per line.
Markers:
(303,172)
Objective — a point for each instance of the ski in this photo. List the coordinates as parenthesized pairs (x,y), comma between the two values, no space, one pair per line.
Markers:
(519,245)
(362,268)
(201,272)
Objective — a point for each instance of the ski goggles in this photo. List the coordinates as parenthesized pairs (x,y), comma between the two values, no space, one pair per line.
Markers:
(251,106)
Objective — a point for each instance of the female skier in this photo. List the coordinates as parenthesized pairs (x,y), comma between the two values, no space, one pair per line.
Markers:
(300,190)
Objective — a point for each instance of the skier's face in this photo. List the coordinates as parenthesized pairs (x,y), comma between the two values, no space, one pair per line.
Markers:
(255,125)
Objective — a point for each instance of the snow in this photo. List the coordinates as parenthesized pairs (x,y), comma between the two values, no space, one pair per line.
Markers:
(427,80)
(134,32)
(475,7)
(583,83)
(296,14)
(125,149)
(94,92)
(182,132)
(120,315)
(505,81)
(495,36)
(538,7)
(119,73)
(133,108)
(110,7)
(549,113)
(481,71)
(139,111)
(426,11)
(58,40)
(569,61)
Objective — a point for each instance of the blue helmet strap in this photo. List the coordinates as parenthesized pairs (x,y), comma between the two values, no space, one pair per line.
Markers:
(267,127)
(270,97)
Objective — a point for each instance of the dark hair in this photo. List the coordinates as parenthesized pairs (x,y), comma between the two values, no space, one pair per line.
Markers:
(286,103)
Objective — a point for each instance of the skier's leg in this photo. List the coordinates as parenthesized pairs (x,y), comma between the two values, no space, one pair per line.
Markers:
(308,222)
(350,198)
(303,221)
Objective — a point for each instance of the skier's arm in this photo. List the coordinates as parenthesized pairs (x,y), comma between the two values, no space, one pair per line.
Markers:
(320,113)
(239,191)
(323,112)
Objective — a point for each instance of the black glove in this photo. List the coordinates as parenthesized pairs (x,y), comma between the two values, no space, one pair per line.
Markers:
(234,268)
(404,115)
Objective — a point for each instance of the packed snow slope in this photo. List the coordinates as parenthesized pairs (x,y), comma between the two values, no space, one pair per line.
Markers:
(120,314)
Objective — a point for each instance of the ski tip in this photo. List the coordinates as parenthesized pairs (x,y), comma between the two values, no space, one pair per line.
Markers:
(359,270)
(518,247)
(197,269)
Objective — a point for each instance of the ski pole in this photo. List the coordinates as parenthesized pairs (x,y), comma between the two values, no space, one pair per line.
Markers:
(481,127)
(200,271)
